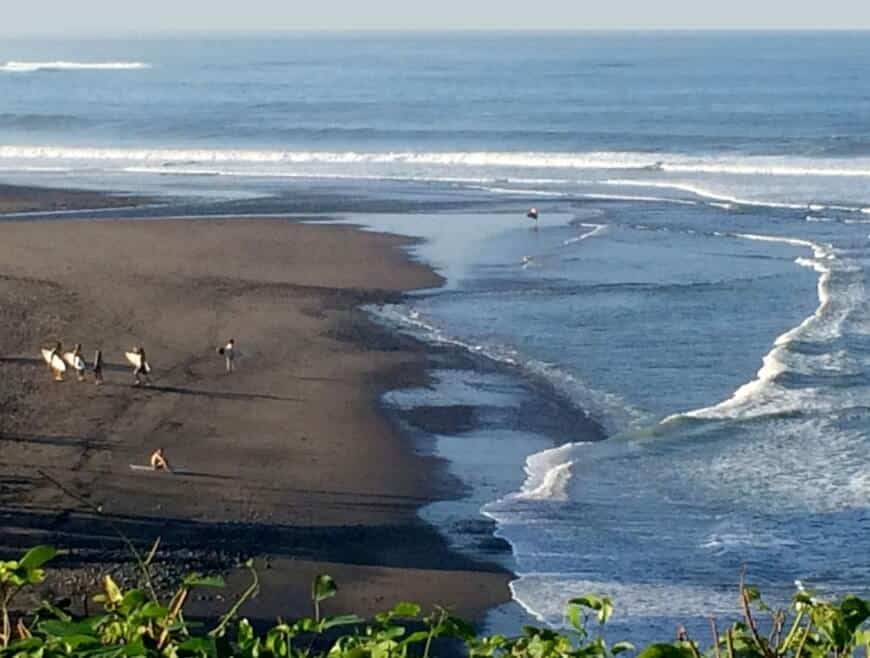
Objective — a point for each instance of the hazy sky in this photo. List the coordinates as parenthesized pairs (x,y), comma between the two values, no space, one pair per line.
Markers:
(97,16)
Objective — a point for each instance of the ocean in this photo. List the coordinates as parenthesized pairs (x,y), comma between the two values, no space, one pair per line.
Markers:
(694,289)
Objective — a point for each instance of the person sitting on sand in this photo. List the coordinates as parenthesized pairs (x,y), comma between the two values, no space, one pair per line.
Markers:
(159,461)
(77,354)
(141,371)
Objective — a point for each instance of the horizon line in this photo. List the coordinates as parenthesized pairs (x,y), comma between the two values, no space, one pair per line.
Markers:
(202,31)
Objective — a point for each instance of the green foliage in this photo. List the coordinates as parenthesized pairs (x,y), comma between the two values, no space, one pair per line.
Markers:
(135,622)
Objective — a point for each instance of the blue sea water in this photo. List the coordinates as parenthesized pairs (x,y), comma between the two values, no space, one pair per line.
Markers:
(696,284)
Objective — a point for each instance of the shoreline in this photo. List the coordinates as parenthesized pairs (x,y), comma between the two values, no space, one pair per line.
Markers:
(24,199)
(48,290)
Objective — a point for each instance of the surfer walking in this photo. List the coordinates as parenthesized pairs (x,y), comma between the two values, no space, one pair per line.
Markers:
(56,353)
(140,372)
(229,354)
(159,462)
(98,367)
(78,362)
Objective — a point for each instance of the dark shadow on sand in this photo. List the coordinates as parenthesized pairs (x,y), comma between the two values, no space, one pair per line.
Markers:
(57,440)
(94,538)
(218,395)
(178,390)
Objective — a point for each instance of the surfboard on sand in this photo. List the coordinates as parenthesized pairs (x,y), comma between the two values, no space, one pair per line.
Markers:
(74,361)
(145,467)
(136,360)
(54,361)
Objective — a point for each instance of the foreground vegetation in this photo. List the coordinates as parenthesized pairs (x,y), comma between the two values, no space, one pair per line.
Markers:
(138,622)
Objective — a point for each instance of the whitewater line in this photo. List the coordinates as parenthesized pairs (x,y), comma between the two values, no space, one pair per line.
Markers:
(30,67)
(715,196)
(596,230)
(614,160)
(771,365)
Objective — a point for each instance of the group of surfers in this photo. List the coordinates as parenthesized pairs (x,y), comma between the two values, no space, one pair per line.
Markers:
(75,360)
(141,374)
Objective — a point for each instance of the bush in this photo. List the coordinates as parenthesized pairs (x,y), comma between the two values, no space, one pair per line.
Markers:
(137,623)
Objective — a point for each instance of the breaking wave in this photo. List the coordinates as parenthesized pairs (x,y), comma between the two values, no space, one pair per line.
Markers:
(679,163)
(30,67)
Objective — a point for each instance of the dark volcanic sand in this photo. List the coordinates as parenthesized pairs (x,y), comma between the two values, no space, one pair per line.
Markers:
(290,459)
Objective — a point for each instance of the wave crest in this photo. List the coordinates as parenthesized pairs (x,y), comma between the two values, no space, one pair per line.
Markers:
(31,67)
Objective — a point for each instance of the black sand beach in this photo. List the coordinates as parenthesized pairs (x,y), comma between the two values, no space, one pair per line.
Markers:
(290,459)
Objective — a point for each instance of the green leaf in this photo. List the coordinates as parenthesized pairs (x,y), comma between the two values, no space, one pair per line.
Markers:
(323,587)
(36,557)
(64,629)
(24,646)
(665,651)
(77,641)
(304,625)
(203,645)
(419,636)
(341,620)
(600,604)
(574,613)
(132,600)
(405,610)
(195,580)
(393,632)
(153,610)
(619,647)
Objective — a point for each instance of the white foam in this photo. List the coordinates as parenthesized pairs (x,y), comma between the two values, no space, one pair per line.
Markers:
(597,229)
(613,412)
(29,67)
(763,395)
(812,455)
(603,160)
(545,596)
(630,197)
(548,474)
(721,200)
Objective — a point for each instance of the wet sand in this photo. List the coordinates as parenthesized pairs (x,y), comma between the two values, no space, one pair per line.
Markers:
(288,459)
(22,198)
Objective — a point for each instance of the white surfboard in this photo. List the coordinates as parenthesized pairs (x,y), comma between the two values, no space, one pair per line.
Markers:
(145,467)
(54,361)
(74,360)
(136,360)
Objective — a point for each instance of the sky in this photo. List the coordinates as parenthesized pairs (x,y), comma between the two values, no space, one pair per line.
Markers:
(79,17)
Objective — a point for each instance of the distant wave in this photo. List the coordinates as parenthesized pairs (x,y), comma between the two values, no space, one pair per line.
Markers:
(30,121)
(30,67)
(746,165)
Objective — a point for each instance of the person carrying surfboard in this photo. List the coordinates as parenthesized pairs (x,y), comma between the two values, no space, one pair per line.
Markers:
(56,352)
(142,369)
(78,362)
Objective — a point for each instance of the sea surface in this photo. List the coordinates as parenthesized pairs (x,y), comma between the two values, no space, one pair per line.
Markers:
(695,287)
